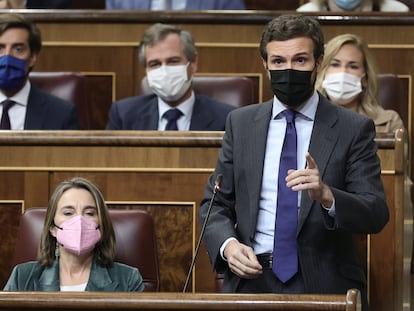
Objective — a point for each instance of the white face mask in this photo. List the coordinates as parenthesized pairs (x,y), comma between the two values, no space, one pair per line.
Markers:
(169,82)
(342,87)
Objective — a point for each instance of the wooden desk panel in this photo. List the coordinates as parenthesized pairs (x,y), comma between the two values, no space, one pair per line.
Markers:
(166,172)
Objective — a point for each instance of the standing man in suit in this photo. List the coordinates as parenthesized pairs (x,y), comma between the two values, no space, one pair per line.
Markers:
(335,183)
(23,105)
(169,57)
(190,5)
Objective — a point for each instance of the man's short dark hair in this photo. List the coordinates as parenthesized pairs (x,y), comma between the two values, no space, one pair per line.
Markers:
(9,21)
(290,26)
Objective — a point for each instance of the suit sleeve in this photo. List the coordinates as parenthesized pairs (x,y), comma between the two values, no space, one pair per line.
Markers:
(114,120)
(72,122)
(361,207)
(222,219)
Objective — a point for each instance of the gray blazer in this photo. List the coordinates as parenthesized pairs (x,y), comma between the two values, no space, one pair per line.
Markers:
(342,144)
(31,276)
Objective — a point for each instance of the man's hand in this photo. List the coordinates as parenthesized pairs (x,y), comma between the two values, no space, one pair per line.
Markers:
(242,260)
(310,180)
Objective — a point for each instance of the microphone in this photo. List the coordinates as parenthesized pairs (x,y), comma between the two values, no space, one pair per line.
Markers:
(216,188)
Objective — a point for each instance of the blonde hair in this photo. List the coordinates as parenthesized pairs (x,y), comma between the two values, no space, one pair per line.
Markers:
(368,100)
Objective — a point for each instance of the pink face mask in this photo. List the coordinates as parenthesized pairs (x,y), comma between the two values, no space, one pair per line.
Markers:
(78,235)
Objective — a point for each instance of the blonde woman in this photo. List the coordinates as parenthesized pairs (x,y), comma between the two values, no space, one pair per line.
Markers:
(348,77)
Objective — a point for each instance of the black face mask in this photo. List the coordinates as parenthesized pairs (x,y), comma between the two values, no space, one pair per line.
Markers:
(291,87)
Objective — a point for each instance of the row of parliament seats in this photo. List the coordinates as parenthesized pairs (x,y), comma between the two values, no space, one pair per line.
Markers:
(234,90)
(250,4)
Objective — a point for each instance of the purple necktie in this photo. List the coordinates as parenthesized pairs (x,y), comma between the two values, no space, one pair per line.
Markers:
(285,257)
(5,119)
(172,116)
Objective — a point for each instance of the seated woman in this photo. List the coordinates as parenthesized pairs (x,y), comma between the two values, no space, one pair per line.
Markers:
(348,77)
(77,247)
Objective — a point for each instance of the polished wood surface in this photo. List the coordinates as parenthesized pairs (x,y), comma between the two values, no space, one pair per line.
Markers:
(165,173)
(177,301)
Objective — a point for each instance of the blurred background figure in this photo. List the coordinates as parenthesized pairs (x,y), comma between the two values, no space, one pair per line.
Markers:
(175,5)
(12,4)
(170,59)
(353,6)
(48,4)
(24,106)
(348,77)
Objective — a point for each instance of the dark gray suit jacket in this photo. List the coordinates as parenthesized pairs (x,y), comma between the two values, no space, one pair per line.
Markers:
(48,112)
(342,144)
(141,113)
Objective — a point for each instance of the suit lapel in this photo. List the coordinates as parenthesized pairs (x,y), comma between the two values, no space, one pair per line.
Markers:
(48,280)
(100,280)
(323,140)
(35,111)
(148,119)
(201,117)
(257,142)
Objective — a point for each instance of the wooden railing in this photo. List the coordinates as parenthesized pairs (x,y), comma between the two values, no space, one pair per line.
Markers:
(177,301)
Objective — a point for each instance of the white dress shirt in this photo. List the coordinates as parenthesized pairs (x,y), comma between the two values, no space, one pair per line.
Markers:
(17,112)
(175,4)
(185,107)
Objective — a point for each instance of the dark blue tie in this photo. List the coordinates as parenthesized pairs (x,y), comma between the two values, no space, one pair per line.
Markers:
(285,257)
(5,119)
(172,116)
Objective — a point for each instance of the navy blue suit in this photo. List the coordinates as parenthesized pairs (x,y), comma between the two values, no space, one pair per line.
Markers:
(141,113)
(191,5)
(48,112)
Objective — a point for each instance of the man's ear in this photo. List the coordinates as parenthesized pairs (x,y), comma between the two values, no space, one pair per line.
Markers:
(194,65)
(266,68)
(318,63)
(32,61)
(265,64)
